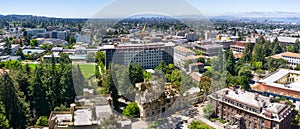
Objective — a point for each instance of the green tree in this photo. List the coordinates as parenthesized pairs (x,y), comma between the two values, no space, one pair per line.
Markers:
(42,121)
(34,43)
(7,48)
(4,124)
(277,48)
(132,110)
(296,46)
(297,67)
(205,85)
(136,74)
(199,125)
(15,107)
(39,92)
(247,53)
(100,57)
(72,39)
(230,63)
(208,111)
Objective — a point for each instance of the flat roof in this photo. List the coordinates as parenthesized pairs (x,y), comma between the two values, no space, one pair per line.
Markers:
(82,117)
(183,49)
(271,80)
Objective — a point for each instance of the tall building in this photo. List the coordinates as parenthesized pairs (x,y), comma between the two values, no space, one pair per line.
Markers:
(148,55)
(35,33)
(246,110)
(59,35)
(283,83)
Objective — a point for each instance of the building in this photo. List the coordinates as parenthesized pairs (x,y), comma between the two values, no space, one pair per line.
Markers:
(148,55)
(288,41)
(196,67)
(35,33)
(209,49)
(283,83)
(83,38)
(292,58)
(226,43)
(7,58)
(246,110)
(191,37)
(210,34)
(62,35)
(88,112)
(180,53)
(238,47)
(163,101)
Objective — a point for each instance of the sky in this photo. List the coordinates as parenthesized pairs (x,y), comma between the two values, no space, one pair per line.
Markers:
(89,8)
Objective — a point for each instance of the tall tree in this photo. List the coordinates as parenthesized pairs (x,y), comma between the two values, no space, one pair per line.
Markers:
(277,48)
(230,63)
(39,93)
(4,124)
(205,85)
(15,107)
(247,53)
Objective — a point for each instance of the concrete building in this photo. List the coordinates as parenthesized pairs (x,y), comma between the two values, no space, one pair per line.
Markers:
(62,35)
(35,33)
(283,83)
(83,38)
(191,37)
(210,34)
(226,43)
(292,58)
(164,101)
(180,53)
(238,47)
(209,49)
(148,55)
(246,110)
(288,41)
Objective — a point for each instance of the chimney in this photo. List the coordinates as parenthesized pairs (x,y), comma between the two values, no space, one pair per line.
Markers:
(72,110)
(256,96)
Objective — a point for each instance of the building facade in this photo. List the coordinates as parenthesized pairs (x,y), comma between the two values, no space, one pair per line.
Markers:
(209,49)
(246,110)
(147,55)
(283,83)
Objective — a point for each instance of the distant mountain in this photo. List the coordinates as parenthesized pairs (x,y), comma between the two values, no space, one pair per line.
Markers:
(264,15)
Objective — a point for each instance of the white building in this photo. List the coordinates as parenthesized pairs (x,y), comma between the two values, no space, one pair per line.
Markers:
(292,58)
(180,53)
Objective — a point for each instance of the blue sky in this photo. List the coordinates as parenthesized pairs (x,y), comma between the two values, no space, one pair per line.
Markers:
(88,8)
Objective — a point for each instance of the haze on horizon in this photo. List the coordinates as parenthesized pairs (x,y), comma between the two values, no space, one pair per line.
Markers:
(87,9)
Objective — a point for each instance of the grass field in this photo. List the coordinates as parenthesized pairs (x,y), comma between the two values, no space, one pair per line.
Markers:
(88,70)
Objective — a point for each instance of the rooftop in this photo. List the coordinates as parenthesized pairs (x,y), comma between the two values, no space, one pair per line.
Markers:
(272,80)
(291,54)
(182,49)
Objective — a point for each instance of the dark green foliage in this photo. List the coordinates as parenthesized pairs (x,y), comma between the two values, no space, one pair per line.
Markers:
(42,121)
(132,110)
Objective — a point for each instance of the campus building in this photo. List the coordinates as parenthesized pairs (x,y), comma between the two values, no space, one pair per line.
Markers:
(292,58)
(209,49)
(283,83)
(180,53)
(246,110)
(148,55)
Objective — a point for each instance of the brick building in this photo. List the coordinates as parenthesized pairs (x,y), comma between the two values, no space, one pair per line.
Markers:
(246,110)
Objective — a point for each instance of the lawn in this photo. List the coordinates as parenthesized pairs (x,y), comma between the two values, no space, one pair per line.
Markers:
(88,70)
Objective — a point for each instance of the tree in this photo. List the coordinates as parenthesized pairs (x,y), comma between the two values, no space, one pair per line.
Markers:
(201,59)
(136,73)
(7,47)
(100,57)
(39,91)
(199,125)
(42,121)
(259,55)
(277,48)
(34,43)
(132,110)
(208,111)
(247,53)
(72,39)
(4,124)
(15,107)
(205,85)
(297,67)
(296,46)
(230,63)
